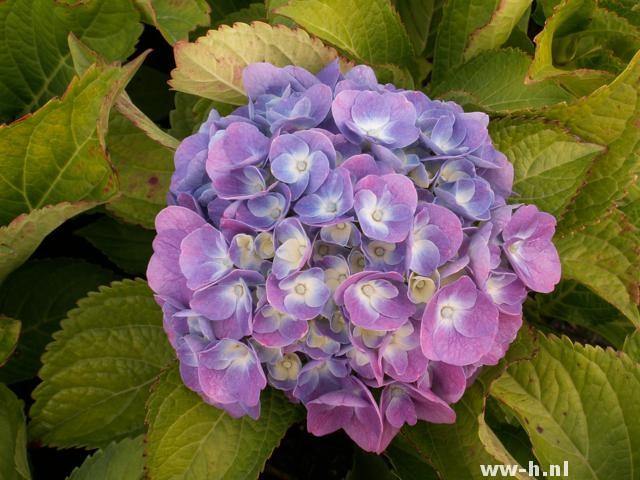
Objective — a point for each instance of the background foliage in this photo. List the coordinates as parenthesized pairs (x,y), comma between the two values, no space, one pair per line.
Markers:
(91,120)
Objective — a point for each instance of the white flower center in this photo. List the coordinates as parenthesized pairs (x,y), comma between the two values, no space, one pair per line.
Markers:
(447,312)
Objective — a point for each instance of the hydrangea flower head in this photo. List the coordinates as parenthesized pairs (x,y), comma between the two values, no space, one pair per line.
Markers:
(349,244)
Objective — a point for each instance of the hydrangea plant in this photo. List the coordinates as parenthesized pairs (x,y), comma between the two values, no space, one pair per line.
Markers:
(349,243)
(347,248)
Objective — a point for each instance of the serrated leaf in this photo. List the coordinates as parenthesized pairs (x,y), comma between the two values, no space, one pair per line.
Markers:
(457,450)
(13,437)
(190,439)
(632,346)
(574,303)
(369,31)
(35,62)
(128,246)
(609,117)
(9,334)
(497,30)
(460,18)
(98,370)
(118,461)
(144,169)
(212,66)
(604,257)
(40,294)
(175,18)
(578,404)
(57,154)
(495,82)
(21,237)
(549,162)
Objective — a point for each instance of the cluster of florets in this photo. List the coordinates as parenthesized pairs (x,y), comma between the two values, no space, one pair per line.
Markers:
(347,243)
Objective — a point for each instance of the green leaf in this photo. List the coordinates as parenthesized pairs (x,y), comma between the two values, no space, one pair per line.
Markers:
(574,303)
(604,257)
(417,17)
(40,294)
(630,205)
(457,450)
(578,404)
(13,437)
(609,117)
(212,66)
(175,18)
(188,438)
(35,61)
(9,334)
(495,82)
(21,237)
(369,31)
(460,18)
(368,465)
(498,29)
(580,42)
(118,461)
(98,370)
(128,246)
(57,154)
(549,162)
(632,346)
(144,169)
(252,13)
(222,8)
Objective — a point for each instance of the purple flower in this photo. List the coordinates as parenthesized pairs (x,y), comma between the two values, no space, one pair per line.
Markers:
(330,202)
(239,145)
(353,409)
(470,197)
(165,278)
(230,374)
(342,237)
(287,98)
(459,324)
(240,184)
(508,326)
(506,291)
(384,256)
(229,303)
(264,211)
(273,328)
(318,377)
(341,233)
(302,160)
(386,119)
(385,205)
(528,246)
(401,403)
(436,236)
(301,294)
(293,248)
(375,300)
(400,354)
(283,373)
(204,257)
